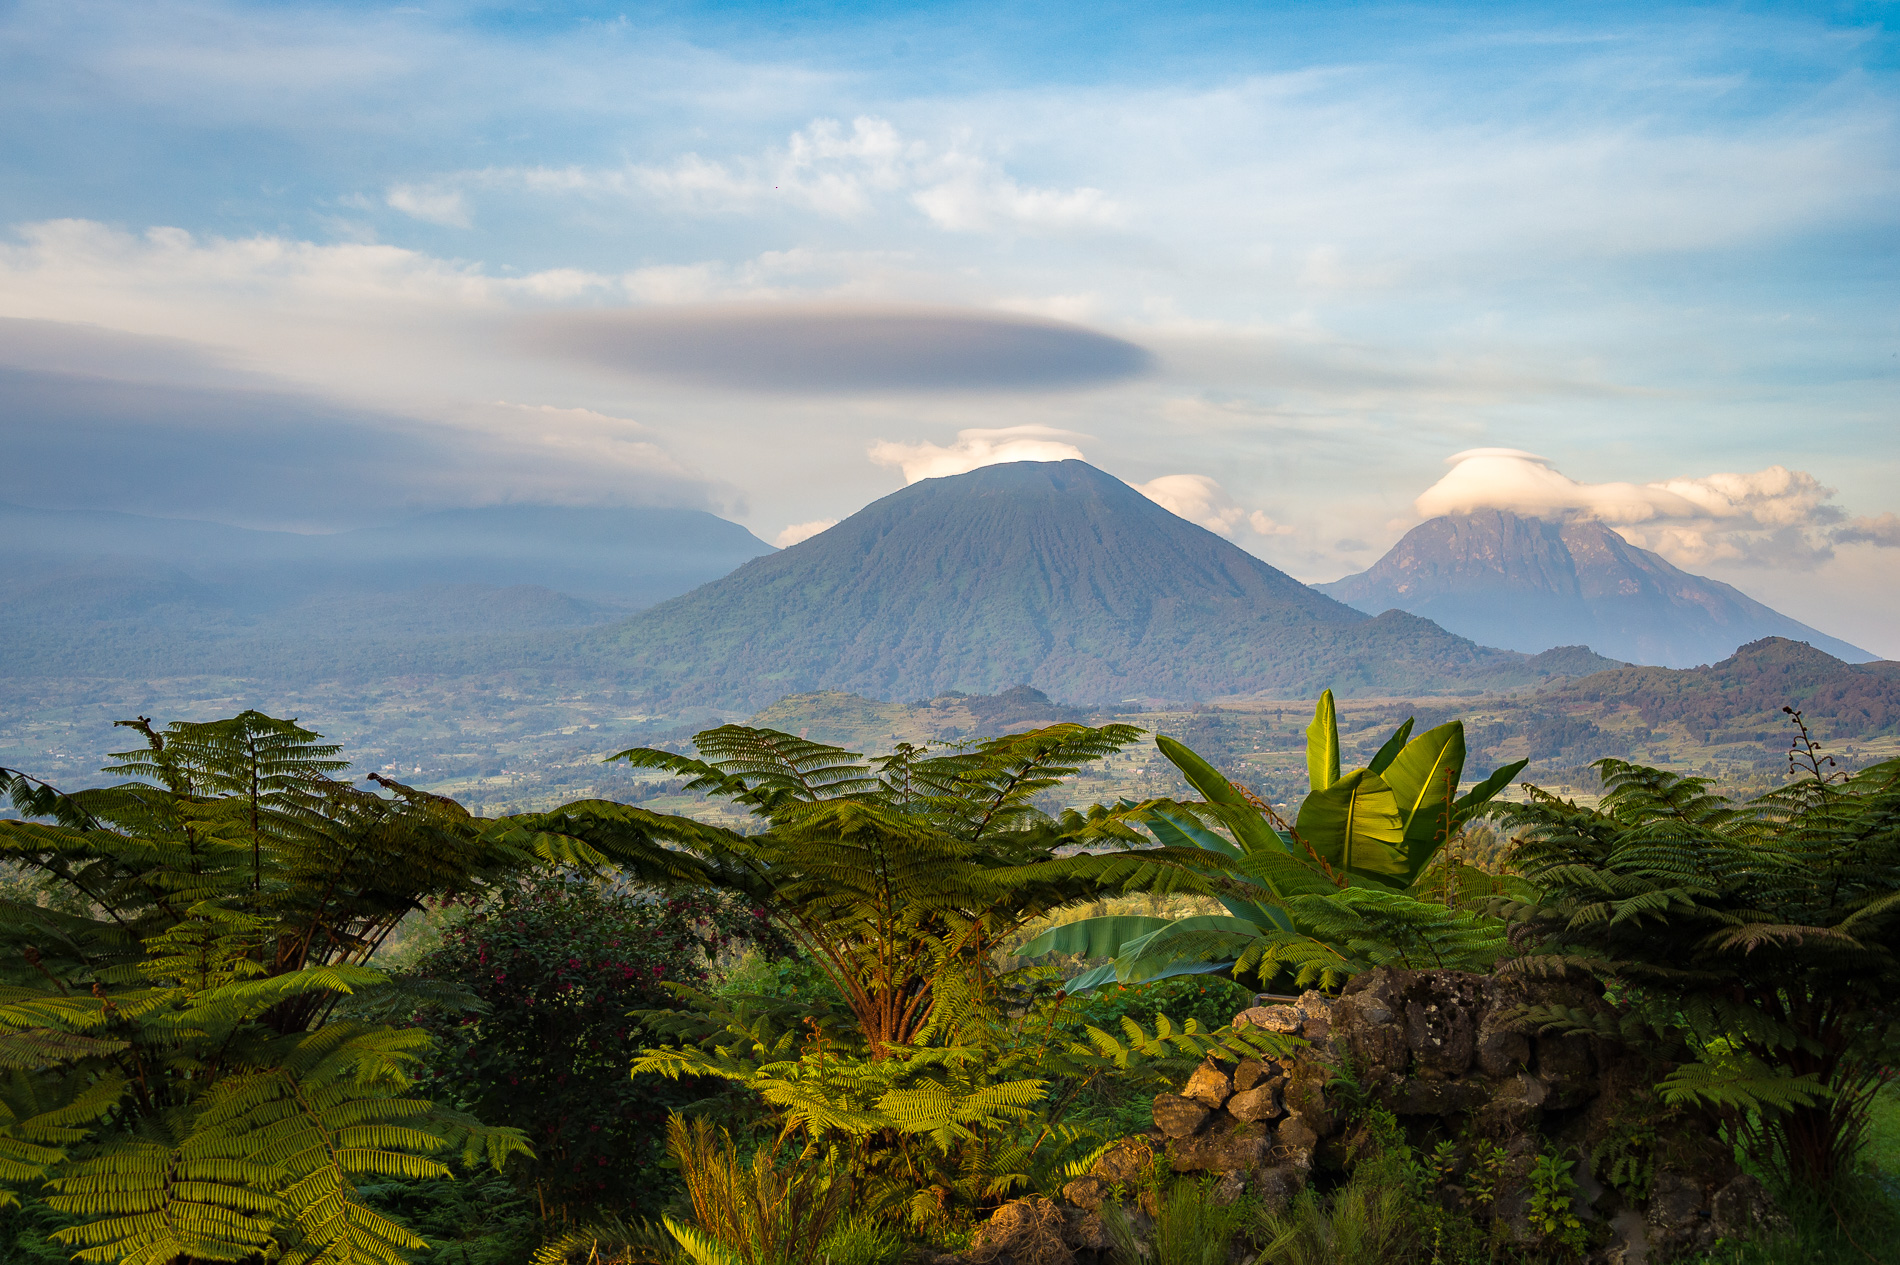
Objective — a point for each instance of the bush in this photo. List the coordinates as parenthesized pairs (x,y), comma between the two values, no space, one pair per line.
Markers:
(557,965)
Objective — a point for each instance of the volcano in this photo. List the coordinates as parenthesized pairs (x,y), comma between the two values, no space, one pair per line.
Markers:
(1528,584)
(1052,574)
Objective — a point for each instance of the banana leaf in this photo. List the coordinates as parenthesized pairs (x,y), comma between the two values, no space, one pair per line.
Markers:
(1179,832)
(1102,937)
(1478,796)
(1354,825)
(1424,780)
(1393,745)
(1100,976)
(1154,956)
(1250,828)
(1322,746)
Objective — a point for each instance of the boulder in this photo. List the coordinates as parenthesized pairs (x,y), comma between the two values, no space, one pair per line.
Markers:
(1209,1086)
(1236,1147)
(1447,1054)
(1087,1192)
(1277,1185)
(1253,1072)
(1125,1163)
(1260,1103)
(1285,1019)
(1179,1117)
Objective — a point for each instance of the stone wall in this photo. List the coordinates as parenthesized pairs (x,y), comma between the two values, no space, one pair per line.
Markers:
(1443,1053)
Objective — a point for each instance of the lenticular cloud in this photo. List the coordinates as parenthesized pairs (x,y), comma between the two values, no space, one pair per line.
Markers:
(1772,516)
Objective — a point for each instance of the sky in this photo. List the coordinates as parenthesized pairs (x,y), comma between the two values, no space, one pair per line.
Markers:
(1305,273)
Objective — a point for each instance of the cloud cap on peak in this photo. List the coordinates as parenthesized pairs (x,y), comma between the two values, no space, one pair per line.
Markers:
(976,448)
(1773,516)
(835,348)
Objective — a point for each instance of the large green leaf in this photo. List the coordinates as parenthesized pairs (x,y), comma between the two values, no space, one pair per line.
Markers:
(1090,980)
(1354,825)
(1484,792)
(1322,745)
(1393,745)
(1093,937)
(1201,938)
(1180,832)
(1250,829)
(1424,780)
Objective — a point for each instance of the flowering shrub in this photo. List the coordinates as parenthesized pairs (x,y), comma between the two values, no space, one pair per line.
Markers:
(558,966)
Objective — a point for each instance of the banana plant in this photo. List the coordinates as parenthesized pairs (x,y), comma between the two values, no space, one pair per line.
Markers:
(1374,829)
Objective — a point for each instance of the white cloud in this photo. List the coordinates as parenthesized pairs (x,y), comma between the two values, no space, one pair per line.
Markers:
(1202,500)
(434,206)
(829,170)
(802,531)
(1774,516)
(974,448)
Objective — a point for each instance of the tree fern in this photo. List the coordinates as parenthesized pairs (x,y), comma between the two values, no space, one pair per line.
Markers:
(179,1079)
(1758,937)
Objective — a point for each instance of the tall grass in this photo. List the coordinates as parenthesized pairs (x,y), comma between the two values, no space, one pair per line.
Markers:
(776,1209)
(1364,1223)
(1190,1228)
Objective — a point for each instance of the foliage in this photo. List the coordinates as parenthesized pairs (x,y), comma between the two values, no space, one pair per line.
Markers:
(1756,938)
(1190,1228)
(612,1240)
(1207,999)
(477,1217)
(1339,891)
(556,964)
(974,1114)
(197,1066)
(897,876)
(1857,1219)
(775,1210)
(1552,1212)
(863,1240)
(1364,1222)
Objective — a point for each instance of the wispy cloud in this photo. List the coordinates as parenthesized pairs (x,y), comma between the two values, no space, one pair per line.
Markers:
(434,206)
(833,170)
(1201,499)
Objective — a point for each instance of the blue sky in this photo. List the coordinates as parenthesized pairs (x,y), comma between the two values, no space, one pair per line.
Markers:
(1273,263)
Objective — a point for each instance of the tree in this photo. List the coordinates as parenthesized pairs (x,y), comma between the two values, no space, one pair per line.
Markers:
(198,1067)
(1337,892)
(1756,940)
(897,875)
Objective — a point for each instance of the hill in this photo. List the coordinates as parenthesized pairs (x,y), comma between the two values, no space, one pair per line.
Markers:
(108,594)
(1050,573)
(1527,584)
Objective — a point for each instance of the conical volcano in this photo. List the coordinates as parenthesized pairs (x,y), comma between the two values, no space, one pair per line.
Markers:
(1527,583)
(1050,573)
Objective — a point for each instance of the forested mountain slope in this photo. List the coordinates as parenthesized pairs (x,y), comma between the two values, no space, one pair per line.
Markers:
(1050,573)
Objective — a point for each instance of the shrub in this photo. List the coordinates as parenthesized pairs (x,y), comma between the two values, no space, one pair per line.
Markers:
(557,965)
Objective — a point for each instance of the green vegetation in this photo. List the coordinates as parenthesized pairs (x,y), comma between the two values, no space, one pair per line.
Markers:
(1337,892)
(200,1065)
(1757,937)
(796,1007)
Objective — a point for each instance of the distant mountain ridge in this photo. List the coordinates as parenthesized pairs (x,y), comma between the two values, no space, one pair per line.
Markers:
(1527,584)
(1050,573)
(98,593)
